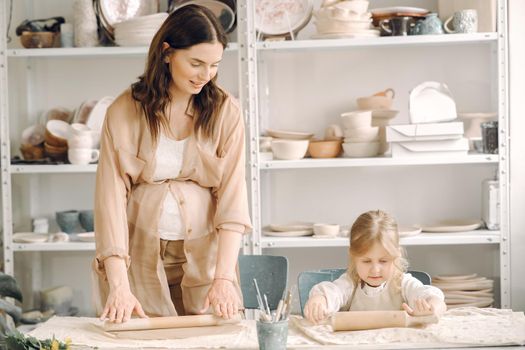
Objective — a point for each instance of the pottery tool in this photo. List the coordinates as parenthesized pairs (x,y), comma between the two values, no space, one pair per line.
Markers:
(362,320)
(136,324)
(278,311)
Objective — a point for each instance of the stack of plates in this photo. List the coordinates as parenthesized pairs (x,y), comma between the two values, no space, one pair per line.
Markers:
(292,229)
(138,31)
(110,12)
(340,21)
(465,290)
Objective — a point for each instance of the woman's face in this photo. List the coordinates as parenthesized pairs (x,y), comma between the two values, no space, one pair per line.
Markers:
(194,67)
(375,266)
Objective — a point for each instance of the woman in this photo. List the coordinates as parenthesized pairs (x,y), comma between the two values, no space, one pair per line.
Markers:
(171,200)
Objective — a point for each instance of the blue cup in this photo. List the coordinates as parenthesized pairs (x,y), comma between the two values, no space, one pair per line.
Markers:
(67,220)
(86,220)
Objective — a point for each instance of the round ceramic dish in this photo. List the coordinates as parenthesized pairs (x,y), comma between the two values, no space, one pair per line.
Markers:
(289,135)
(280,17)
(452,226)
(292,226)
(223,10)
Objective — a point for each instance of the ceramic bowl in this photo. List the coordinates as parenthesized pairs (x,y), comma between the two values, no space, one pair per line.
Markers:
(361,149)
(55,153)
(34,40)
(356,119)
(33,135)
(375,102)
(67,220)
(289,149)
(367,134)
(326,230)
(334,25)
(57,132)
(31,152)
(86,219)
(324,148)
(356,6)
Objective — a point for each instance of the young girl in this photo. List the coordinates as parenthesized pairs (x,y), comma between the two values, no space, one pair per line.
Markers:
(376,278)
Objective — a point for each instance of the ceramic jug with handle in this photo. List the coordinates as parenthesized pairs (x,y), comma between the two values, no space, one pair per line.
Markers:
(430,25)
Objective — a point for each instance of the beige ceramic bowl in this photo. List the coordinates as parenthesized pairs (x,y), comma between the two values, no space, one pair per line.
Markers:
(374,102)
(289,149)
(31,152)
(331,230)
(367,134)
(37,40)
(361,149)
(356,6)
(57,133)
(356,119)
(55,153)
(324,148)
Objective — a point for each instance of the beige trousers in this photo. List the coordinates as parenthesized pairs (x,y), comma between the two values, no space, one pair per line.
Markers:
(173,257)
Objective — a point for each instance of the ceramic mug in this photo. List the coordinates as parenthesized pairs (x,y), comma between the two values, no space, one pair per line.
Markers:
(82,156)
(397,26)
(429,26)
(464,21)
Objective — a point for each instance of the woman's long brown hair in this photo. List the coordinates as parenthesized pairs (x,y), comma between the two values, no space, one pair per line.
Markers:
(187,26)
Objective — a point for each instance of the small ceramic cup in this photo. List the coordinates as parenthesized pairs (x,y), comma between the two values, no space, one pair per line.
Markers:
(86,220)
(464,21)
(82,156)
(68,220)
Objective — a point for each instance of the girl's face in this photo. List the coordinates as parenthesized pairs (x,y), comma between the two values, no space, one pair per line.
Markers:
(194,67)
(375,266)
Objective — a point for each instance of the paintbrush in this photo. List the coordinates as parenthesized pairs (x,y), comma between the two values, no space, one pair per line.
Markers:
(265,317)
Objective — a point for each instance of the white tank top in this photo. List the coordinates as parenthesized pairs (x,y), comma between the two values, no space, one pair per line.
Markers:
(168,163)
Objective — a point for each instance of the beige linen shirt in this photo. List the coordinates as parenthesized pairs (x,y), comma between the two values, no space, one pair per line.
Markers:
(210,189)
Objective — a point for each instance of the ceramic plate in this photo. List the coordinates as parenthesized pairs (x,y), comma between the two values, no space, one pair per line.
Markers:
(465,286)
(290,135)
(221,10)
(384,113)
(452,226)
(475,304)
(398,9)
(478,115)
(292,226)
(86,236)
(298,233)
(454,277)
(365,33)
(98,113)
(408,231)
(30,237)
(115,11)
(279,17)
(431,102)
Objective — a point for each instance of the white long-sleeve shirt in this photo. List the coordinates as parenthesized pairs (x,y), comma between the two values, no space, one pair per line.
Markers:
(384,297)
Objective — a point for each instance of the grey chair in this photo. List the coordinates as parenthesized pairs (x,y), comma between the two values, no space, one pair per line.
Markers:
(271,273)
(307,279)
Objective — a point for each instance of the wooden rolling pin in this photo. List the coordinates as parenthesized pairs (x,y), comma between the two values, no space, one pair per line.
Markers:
(137,324)
(361,320)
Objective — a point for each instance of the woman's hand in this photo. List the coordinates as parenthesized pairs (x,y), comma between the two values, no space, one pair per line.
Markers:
(315,309)
(120,305)
(422,307)
(223,298)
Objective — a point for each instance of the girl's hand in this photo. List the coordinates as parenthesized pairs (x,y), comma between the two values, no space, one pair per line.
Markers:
(315,309)
(120,305)
(223,298)
(421,308)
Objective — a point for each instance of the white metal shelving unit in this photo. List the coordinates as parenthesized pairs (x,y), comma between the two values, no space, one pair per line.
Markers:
(248,50)
(497,41)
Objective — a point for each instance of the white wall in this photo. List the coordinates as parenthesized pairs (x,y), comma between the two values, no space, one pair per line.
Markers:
(517,151)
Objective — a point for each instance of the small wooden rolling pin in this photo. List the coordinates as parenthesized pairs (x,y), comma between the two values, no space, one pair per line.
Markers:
(137,324)
(361,320)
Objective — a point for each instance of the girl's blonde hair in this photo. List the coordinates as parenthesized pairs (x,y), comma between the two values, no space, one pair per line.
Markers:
(369,228)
